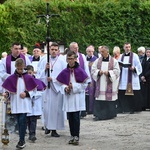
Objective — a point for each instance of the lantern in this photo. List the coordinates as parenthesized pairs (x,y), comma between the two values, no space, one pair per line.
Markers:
(5,137)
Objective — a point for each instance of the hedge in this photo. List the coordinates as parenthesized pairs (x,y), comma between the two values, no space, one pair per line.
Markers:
(105,22)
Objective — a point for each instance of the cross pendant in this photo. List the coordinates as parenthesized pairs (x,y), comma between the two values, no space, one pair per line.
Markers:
(51,70)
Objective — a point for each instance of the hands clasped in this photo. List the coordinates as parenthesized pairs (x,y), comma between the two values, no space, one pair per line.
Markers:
(103,72)
(68,88)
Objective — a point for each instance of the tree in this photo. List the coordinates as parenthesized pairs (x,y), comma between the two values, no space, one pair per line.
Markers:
(2,1)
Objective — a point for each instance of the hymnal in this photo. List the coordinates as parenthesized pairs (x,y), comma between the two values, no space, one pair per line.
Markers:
(125,65)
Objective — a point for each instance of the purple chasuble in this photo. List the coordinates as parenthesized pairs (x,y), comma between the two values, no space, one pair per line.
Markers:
(79,73)
(10,83)
(8,62)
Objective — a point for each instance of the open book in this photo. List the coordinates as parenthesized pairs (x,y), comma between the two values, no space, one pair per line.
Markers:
(125,65)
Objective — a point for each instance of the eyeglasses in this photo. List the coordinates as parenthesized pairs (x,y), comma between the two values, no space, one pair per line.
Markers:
(70,58)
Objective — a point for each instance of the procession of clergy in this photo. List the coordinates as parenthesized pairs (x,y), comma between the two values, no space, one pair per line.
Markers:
(97,83)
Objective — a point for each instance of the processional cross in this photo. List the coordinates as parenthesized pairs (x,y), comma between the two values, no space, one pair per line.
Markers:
(48,16)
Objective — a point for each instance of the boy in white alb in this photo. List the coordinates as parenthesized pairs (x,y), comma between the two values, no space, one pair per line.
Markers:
(73,80)
(21,88)
(36,105)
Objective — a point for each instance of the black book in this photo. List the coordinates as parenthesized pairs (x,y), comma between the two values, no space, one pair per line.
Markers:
(125,65)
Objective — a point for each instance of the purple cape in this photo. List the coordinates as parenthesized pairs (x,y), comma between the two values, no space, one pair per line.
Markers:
(40,85)
(10,83)
(79,73)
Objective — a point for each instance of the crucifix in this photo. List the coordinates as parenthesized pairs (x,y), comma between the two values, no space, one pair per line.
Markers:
(48,16)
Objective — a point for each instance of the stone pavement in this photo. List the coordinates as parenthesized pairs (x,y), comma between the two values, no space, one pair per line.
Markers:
(125,132)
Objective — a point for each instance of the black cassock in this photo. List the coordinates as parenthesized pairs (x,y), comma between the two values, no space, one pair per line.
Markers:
(145,86)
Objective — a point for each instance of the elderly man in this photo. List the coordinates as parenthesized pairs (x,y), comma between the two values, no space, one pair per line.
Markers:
(105,71)
(81,59)
(90,90)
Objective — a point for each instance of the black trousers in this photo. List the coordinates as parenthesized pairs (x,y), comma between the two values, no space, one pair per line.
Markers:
(74,123)
(31,124)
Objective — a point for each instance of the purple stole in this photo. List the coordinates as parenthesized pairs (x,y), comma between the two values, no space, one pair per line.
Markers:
(79,73)
(30,57)
(109,83)
(91,89)
(10,83)
(81,62)
(129,71)
(8,62)
(92,60)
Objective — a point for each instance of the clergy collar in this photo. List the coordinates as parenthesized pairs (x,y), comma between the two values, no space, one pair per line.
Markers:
(36,59)
(147,58)
(105,59)
(75,66)
(14,58)
(127,54)
(88,58)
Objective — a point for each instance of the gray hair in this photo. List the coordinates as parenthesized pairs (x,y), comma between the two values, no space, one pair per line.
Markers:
(116,49)
(4,54)
(106,48)
(141,49)
(72,43)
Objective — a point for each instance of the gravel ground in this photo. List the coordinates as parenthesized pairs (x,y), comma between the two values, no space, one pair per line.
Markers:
(125,132)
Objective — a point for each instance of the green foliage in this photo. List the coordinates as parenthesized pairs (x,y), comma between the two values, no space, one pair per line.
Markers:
(96,22)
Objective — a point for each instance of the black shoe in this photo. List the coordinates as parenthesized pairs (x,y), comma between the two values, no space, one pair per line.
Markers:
(20,145)
(76,141)
(54,134)
(47,131)
(71,140)
(32,138)
(96,119)
(43,128)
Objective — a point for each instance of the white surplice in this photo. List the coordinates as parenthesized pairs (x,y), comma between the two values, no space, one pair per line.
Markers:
(135,76)
(75,101)
(18,104)
(37,104)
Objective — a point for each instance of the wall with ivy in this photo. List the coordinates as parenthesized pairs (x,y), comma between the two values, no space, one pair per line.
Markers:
(105,22)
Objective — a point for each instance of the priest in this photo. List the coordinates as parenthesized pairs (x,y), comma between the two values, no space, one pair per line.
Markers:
(105,71)
(129,96)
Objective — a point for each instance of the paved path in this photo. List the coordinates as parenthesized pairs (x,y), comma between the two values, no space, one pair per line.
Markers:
(125,132)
